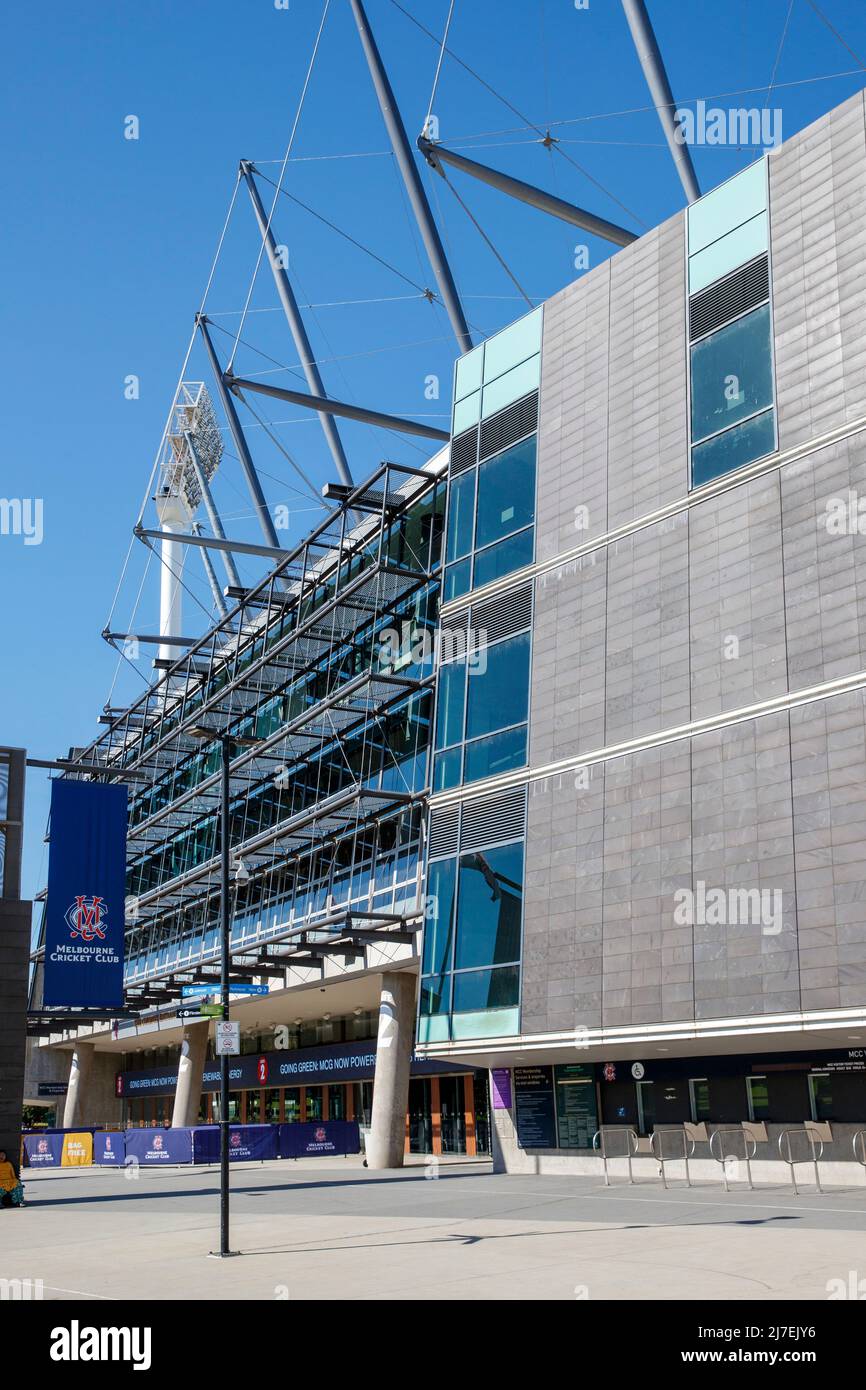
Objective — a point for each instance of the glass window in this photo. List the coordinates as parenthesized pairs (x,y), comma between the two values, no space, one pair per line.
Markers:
(461,513)
(490,895)
(451,704)
(758,1096)
(475,990)
(435,995)
(467,378)
(731,374)
(466,413)
(699,1095)
(735,201)
(510,387)
(314,1102)
(500,559)
(336,1102)
(732,250)
(446,769)
(821,1095)
(498,688)
(513,344)
(439,917)
(458,579)
(506,493)
(734,449)
(487,757)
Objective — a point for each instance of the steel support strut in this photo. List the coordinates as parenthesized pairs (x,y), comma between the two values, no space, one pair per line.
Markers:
(411,179)
(660,90)
(351,412)
(296,324)
(526,193)
(210,507)
(246,459)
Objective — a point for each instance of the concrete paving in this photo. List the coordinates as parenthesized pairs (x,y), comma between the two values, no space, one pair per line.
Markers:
(332,1229)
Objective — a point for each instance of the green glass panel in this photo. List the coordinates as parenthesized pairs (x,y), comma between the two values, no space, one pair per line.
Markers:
(513,345)
(510,387)
(489,907)
(734,449)
(732,374)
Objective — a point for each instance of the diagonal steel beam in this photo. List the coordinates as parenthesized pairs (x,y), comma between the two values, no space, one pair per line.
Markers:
(325,404)
(660,90)
(265,519)
(296,324)
(411,179)
(526,193)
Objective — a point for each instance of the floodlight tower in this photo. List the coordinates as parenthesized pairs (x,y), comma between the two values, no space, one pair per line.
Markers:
(190,457)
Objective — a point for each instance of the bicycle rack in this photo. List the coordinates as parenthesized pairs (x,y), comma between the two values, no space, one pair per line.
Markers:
(630,1135)
(860,1154)
(816,1134)
(687,1153)
(747,1140)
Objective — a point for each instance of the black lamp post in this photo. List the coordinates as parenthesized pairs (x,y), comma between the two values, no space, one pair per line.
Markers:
(229,743)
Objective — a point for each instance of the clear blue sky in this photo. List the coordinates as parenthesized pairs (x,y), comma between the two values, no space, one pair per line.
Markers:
(108,243)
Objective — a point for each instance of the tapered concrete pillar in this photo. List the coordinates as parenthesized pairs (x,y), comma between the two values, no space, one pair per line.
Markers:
(79,1079)
(187,1097)
(386,1141)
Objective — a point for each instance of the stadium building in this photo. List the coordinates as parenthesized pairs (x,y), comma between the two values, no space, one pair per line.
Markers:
(548,758)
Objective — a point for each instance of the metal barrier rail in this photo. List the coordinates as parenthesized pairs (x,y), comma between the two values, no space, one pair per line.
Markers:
(630,1135)
(861,1155)
(724,1158)
(785,1137)
(687,1153)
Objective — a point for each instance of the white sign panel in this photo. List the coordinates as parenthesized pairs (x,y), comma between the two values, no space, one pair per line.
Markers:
(228,1038)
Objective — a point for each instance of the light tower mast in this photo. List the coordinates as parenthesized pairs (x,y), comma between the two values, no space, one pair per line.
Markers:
(193,445)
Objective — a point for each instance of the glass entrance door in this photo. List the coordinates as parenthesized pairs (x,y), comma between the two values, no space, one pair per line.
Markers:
(646,1107)
(453,1122)
(420,1125)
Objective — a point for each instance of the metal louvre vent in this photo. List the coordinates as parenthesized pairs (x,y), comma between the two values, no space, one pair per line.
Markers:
(493,818)
(464,451)
(452,636)
(738,292)
(444,831)
(501,616)
(508,426)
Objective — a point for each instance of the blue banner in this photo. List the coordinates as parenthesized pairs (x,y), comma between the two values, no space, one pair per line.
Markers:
(109,1148)
(84,917)
(251,1142)
(319,1140)
(44,1150)
(159,1148)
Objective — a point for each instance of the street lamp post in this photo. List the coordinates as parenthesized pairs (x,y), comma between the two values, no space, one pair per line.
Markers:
(229,743)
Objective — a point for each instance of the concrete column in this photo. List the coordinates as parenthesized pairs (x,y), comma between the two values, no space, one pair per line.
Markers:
(187,1097)
(79,1078)
(385,1143)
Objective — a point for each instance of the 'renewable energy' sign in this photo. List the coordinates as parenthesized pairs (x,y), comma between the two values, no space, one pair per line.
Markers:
(84,917)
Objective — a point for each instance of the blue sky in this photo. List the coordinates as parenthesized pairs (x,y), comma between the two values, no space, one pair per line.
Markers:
(109,241)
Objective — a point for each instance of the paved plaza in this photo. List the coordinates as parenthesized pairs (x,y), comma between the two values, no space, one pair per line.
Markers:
(334,1230)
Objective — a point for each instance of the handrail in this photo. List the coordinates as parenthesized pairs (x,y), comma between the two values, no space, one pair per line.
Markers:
(723,1160)
(791,1161)
(688,1152)
(630,1152)
(861,1156)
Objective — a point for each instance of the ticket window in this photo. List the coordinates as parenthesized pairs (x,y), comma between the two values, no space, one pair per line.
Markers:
(699,1099)
(254,1107)
(314,1102)
(271,1107)
(758,1097)
(293,1106)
